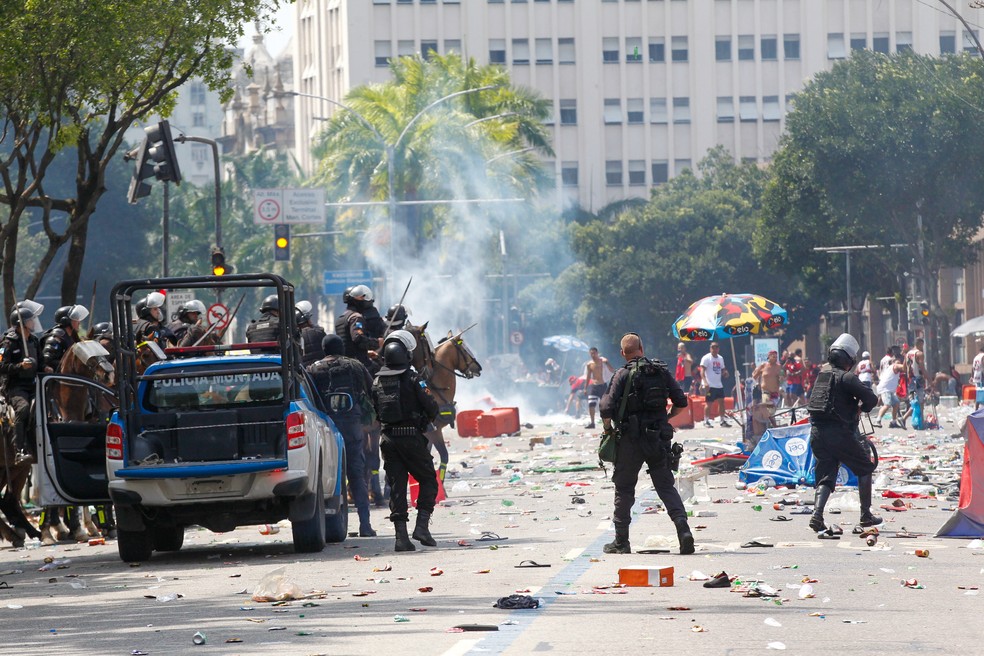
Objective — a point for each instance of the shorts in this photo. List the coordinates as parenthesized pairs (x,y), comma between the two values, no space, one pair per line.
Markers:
(918,383)
(595,392)
(795,389)
(890,398)
(713,394)
(772,397)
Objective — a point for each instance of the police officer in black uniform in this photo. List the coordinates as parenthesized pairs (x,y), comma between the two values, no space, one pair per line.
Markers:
(62,336)
(396,317)
(636,402)
(312,335)
(352,327)
(267,327)
(149,324)
(187,328)
(834,437)
(19,368)
(405,407)
(337,373)
(102,332)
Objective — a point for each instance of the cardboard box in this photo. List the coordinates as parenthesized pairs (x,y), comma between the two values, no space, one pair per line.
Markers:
(646,577)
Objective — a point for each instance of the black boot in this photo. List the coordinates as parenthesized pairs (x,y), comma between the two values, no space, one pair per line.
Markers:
(820,500)
(365,528)
(621,543)
(864,493)
(403,542)
(421,533)
(685,536)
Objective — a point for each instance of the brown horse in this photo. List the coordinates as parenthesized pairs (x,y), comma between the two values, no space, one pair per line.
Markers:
(14,473)
(441,367)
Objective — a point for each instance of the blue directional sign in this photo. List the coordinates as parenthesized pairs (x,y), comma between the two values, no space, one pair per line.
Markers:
(336,282)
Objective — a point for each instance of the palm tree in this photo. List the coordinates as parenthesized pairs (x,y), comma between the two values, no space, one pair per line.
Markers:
(479,145)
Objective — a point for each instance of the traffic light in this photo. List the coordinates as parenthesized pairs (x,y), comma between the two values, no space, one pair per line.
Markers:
(281,242)
(154,157)
(924,311)
(913,312)
(219,267)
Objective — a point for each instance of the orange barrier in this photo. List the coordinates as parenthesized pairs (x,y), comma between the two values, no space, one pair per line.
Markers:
(685,419)
(498,421)
(467,422)
(696,404)
(729,404)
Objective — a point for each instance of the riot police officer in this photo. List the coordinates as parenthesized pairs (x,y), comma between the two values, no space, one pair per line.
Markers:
(148,327)
(336,373)
(405,407)
(636,401)
(267,327)
(834,437)
(102,332)
(351,326)
(396,317)
(312,335)
(187,328)
(20,353)
(62,336)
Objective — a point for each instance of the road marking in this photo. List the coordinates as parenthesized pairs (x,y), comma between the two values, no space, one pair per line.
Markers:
(604,526)
(462,647)
(573,553)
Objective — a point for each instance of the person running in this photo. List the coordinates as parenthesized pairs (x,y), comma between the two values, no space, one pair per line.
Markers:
(888,382)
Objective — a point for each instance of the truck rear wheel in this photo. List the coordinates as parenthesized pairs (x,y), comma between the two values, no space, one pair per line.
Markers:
(336,526)
(168,538)
(134,546)
(309,534)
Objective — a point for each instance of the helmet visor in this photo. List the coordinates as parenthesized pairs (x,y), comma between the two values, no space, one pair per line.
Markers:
(28,304)
(155,300)
(194,306)
(405,337)
(304,307)
(78,313)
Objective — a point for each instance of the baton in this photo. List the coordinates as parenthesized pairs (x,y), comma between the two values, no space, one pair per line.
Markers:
(92,311)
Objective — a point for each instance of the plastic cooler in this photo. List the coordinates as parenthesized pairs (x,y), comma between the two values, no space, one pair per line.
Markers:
(685,419)
(467,422)
(696,404)
(414,488)
(498,421)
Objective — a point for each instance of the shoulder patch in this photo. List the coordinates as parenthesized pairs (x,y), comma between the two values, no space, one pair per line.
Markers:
(423,384)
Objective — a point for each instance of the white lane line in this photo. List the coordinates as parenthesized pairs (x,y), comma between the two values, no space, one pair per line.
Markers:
(462,647)
(604,526)
(573,553)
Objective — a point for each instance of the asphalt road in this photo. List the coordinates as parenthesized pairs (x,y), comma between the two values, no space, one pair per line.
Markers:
(99,605)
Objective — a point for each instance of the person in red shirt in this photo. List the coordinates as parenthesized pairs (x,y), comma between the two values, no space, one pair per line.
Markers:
(810,373)
(794,378)
(577,386)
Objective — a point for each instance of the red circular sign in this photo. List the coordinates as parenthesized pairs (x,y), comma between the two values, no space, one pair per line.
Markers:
(218,314)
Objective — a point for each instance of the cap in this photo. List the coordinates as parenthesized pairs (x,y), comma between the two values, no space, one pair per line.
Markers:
(866,355)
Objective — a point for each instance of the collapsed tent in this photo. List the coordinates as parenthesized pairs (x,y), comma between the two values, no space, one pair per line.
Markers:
(784,456)
(968,520)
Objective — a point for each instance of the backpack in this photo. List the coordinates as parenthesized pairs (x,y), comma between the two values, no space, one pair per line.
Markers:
(821,405)
(647,390)
(335,375)
(386,393)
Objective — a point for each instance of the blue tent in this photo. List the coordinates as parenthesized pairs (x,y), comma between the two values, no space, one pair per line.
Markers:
(784,455)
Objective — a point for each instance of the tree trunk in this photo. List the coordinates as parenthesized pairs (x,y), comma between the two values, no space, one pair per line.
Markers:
(72,272)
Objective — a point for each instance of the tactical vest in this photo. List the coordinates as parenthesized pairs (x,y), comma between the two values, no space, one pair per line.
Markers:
(648,390)
(178,329)
(375,326)
(389,406)
(342,330)
(264,329)
(145,331)
(311,351)
(821,406)
(334,374)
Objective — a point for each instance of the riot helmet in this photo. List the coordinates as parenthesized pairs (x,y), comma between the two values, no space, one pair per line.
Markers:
(303,311)
(270,304)
(102,330)
(361,297)
(194,306)
(396,316)
(405,337)
(395,355)
(25,316)
(843,351)
(149,307)
(333,345)
(347,295)
(65,315)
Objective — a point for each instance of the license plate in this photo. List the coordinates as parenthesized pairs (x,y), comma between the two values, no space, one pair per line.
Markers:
(207,487)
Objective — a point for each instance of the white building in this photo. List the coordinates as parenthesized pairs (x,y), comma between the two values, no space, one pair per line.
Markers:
(641,89)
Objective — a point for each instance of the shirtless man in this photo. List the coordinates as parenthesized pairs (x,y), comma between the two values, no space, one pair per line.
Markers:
(915,365)
(684,366)
(597,373)
(767,375)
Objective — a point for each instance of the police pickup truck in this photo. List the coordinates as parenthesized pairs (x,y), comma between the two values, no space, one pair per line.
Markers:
(217,436)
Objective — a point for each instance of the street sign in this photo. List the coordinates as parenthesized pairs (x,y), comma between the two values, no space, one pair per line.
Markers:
(175,300)
(336,282)
(762,347)
(272,206)
(218,314)
(516,338)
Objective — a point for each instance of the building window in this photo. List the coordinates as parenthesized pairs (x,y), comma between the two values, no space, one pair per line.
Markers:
(568,112)
(903,42)
(722,48)
(959,287)
(633,49)
(568,174)
(725,109)
(197,93)
(428,49)
(452,45)
(635,111)
(790,102)
(383,52)
(637,171)
(680,165)
(678,47)
(520,51)
(661,171)
(970,41)
(613,172)
(746,47)
(791,46)
(613,111)
(657,110)
(497,51)
(565,51)
(859,41)
(769,48)
(544,51)
(770,108)
(948,43)
(835,46)
(747,110)
(657,49)
(609,49)
(550,118)
(198,119)
(428,2)
(405,48)
(879,42)
(681,110)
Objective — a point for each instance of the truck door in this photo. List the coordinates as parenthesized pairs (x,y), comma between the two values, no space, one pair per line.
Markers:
(71,414)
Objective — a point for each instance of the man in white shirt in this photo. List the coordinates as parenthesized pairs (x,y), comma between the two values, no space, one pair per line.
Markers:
(977,376)
(865,371)
(888,382)
(712,373)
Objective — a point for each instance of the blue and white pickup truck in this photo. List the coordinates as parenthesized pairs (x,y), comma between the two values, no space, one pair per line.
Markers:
(214,436)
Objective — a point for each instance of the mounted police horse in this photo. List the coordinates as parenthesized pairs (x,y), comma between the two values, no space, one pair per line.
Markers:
(441,367)
(13,478)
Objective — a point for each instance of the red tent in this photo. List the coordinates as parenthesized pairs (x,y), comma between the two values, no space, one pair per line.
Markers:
(968,520)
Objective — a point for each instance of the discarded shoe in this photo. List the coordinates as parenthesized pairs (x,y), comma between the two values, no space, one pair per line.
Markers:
(721,580)
(781,518)
(754,544)
(489,536)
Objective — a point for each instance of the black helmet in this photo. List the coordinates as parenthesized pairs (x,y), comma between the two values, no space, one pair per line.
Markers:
(347,296)
(65,315)
(333,345)
(102,330)
(396,316)
(396,355)
(270,304)
(20,314)
(146,306)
